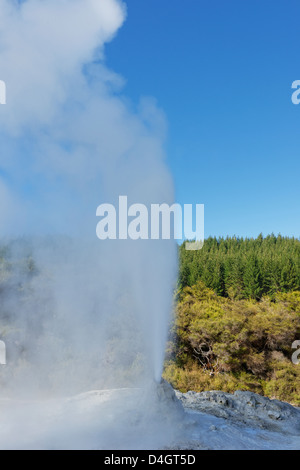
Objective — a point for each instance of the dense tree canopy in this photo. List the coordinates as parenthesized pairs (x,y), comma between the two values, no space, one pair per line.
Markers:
(242,268)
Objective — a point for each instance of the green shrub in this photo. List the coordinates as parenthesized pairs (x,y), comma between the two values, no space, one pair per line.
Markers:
(228,344)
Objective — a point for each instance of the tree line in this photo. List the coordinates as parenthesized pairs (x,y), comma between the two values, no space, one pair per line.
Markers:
(243,268)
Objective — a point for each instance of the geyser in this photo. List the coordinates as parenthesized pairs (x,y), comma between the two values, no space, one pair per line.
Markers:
(78,314)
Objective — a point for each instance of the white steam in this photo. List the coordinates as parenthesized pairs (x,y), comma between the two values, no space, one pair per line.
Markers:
(91,314)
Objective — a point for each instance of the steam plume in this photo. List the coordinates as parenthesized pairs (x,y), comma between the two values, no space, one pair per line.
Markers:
(89,313)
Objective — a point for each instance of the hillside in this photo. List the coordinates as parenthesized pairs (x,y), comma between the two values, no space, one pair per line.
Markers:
(237,316)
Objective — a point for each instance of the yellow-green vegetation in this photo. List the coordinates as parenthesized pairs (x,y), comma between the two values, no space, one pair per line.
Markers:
(229,344)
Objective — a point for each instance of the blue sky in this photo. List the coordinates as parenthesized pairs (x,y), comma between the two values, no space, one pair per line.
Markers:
(222,72)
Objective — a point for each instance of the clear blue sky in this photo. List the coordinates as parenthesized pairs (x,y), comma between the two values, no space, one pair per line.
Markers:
(222,72)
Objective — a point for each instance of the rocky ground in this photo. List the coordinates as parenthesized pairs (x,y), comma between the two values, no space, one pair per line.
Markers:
(155,417)
(243,420)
